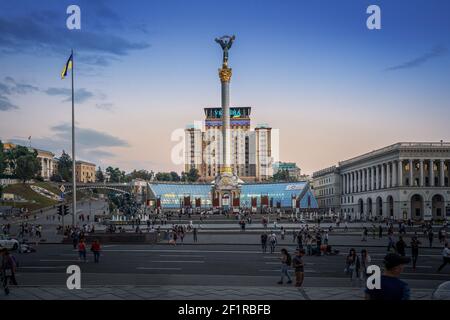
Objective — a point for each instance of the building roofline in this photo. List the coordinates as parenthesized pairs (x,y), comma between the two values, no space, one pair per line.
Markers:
(395,147)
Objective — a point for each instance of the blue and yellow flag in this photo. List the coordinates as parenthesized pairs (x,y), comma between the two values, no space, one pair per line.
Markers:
(67,67)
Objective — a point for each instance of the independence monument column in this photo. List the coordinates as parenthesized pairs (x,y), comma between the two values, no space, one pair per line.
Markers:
(226,183)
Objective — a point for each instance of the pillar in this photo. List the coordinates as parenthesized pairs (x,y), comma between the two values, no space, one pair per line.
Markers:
(400,173)
(411,176)
(442,175)
(382,176)
(388,175)
(431,173)
(422,182)
(372,179)
(363,180)
(358,180)
(394,175)
(377,175)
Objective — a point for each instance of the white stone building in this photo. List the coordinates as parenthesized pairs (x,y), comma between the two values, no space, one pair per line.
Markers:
(404,180)
(327,189)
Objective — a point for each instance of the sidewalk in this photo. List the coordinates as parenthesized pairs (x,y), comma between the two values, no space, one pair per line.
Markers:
(195,293)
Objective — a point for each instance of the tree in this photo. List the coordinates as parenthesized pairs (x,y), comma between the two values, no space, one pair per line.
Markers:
(163,176)
(115,175)
(174,176)
(99,175)
(281,175)
(3,163)
(27,167)
(141,174)
(65,167)
(192,175)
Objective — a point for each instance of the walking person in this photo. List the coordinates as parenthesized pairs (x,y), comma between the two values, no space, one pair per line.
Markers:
(273,242)
(286,261)
(82,250)
(364,234)
(194,232)
(264,242)
(95,248)
(415,243)
(430,237)
(298,265)
(380,231)
(8,270)
(401,246)
(391,287)
(445,257)
(283,232)
(365,262)
(353,265)
(391,243)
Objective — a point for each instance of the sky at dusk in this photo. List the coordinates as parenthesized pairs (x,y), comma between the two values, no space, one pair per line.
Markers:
(143,69)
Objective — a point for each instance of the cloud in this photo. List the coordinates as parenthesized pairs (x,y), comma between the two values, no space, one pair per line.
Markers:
(88,138)
(90,143)
(436,52)
(104,106)
(10,87)
(33,33)
(6,105)
(81,95)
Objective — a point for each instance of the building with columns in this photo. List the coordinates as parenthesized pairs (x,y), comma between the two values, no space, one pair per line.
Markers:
(46,158)
(404,180)
(327,188)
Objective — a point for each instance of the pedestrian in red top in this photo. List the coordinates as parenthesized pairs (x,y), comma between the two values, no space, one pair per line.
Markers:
(95,248)
(82,250)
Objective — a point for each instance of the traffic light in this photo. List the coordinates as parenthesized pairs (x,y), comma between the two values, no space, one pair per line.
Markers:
(60,208)
(66,210)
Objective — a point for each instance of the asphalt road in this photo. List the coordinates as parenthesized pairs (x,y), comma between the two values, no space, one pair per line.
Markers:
(222,265)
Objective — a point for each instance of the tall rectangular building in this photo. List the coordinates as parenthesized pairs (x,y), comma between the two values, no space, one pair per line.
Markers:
(204,148)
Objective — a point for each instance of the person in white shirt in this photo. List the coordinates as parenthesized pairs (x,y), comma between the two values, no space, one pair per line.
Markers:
(445,257)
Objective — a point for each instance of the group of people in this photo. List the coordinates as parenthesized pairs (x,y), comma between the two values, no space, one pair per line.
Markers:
(82,250)
(30,230)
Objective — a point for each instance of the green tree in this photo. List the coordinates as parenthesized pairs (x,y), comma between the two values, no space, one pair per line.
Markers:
(281,175)
(163,176)
(192,175)
(174,176)
(27,167)
(99,175)
(65,167)
(115,175)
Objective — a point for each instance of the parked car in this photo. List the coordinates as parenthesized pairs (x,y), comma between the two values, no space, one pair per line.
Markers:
(8,243)
(442,292)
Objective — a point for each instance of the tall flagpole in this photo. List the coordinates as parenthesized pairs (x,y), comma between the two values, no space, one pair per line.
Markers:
(74,183)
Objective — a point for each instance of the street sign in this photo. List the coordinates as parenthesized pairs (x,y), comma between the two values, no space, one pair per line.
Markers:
(62,188)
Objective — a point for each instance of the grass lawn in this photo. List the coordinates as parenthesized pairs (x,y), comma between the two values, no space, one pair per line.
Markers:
(24,191)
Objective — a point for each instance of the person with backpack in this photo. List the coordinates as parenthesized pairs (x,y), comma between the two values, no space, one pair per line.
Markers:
(273,242)
(8,270)
(298,265)
(95,248)
(286,261)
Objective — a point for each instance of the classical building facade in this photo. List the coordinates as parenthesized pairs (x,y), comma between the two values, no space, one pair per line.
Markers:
(404,180)
(250,149)
(45,158)
(85,172)
(327,188)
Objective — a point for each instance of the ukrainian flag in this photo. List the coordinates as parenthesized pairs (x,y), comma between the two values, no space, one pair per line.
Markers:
(67,67)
